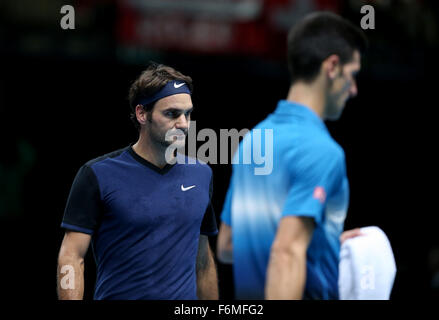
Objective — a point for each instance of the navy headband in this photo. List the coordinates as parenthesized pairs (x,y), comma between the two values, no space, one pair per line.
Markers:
(171,88)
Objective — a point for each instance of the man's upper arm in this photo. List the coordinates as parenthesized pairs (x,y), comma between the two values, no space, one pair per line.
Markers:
(314,172)
(84,206)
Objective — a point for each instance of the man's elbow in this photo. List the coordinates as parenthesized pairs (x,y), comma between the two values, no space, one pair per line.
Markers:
(287,252)
(224,247)
(70,264)
(68,256)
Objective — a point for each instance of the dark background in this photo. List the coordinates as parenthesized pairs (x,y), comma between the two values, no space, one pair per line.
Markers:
(63,102)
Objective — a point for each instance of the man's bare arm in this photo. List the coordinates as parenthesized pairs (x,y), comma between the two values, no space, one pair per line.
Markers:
(207,280)
(70,275)
(286,272)
(224,244)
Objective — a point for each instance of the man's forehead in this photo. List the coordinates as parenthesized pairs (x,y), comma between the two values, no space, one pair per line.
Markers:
(177,101)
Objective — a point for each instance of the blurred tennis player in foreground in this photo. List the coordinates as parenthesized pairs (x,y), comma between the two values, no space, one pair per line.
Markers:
(283,231)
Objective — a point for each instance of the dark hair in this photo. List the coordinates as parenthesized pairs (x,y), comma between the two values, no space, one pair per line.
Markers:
(153,79)
(315,38)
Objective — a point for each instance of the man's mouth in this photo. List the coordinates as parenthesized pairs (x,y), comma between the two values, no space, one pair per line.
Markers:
(179,136)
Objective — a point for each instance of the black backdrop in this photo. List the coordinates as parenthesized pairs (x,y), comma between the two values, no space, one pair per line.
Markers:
(73,109)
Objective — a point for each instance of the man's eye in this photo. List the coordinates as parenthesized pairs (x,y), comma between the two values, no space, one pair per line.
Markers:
(171,114)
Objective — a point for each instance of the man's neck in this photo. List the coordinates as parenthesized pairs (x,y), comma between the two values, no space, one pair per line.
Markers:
(149,151)
(310,95)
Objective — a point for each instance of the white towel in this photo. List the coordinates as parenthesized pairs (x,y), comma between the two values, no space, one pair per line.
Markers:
(367,267)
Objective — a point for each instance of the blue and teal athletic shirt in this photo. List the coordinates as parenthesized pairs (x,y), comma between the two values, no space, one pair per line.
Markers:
(308,180)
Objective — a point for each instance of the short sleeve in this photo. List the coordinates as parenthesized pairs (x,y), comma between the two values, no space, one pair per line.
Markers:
(84,207)
(208,225)
(314,173)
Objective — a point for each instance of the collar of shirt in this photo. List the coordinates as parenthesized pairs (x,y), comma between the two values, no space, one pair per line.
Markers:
(288,108)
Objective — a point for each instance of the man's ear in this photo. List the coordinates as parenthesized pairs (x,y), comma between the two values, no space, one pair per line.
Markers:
(141,114)
(332,66)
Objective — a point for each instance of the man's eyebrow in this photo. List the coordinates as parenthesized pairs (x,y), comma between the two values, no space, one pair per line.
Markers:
(173,109)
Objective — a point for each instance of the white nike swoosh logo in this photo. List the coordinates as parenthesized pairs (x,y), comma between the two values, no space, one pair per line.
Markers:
(186,189)
(176,86)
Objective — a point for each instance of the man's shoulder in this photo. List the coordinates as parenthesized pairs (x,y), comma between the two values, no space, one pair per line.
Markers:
(317,147)
(325,144)
(109,155)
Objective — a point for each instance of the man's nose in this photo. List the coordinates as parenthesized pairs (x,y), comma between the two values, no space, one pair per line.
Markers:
(182,122)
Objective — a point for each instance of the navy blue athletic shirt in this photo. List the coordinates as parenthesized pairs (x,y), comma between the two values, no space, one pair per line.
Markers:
(145,224)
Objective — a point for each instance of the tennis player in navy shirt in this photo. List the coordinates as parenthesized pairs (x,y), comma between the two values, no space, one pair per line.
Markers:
(147,220)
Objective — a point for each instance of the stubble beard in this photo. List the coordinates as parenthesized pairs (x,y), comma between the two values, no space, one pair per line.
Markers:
(159,139)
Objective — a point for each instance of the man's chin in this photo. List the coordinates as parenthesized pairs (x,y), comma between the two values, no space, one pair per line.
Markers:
(334,116)
(179,144)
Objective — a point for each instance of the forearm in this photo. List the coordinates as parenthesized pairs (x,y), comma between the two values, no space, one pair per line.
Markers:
(70,278)
(207,280)
(226,257)
(286,276)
